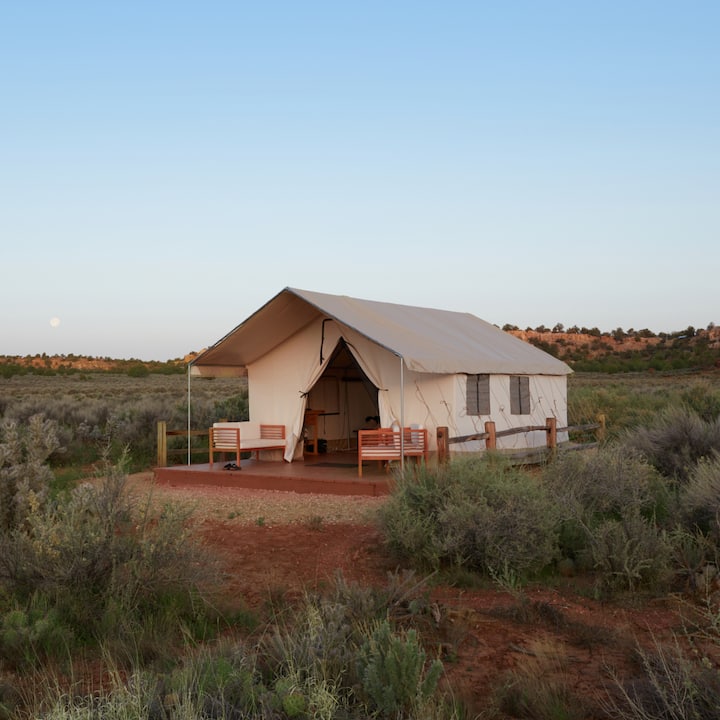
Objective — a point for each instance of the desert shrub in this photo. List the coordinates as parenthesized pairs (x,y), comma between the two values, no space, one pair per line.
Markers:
(335,655)
(89,410)
(396,679)
(676,441)
(540,688)
(480,513)
(24,476)
(614,510)
(138,371)
(318,642)
(225,681)
(233,408)
(624,404)
(700,498)
(605,481)
(112,570)
(314,655)
(702,398)
(669,684)
(695,557)
(629,553)
(590,488)
(32,633)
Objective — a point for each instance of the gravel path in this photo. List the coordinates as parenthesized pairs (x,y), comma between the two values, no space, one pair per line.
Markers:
(262,507)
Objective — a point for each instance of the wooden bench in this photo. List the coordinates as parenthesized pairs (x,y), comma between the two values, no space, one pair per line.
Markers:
(384,445)
(240,437)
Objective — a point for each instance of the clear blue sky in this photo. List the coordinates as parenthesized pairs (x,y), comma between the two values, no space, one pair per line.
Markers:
(168,167)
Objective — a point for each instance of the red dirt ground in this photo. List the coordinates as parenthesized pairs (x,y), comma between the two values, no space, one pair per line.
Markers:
(482,635)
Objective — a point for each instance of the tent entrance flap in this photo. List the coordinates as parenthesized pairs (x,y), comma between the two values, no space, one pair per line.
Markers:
(347,397)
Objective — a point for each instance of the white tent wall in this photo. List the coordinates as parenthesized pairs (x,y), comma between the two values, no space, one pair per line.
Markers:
(548,395)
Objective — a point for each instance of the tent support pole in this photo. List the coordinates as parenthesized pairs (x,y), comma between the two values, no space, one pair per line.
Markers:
(188,414)
(402,417)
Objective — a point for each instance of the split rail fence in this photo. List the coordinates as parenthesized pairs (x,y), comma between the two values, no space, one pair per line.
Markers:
(491,435)
(163,451)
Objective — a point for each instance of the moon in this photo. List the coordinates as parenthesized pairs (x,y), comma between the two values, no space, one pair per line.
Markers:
(54,321)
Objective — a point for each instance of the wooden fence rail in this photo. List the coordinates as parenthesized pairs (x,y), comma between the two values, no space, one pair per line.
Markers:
(162,443)
(491,435)
(444,441)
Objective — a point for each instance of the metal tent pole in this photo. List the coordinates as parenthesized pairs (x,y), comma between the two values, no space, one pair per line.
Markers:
(402,417)
(188,414)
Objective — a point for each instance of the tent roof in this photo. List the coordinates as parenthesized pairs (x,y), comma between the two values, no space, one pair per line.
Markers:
(428,340)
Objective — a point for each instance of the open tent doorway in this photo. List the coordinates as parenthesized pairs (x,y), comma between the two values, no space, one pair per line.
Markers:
(345,397)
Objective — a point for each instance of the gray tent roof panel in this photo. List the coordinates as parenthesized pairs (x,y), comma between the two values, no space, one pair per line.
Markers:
(428,340)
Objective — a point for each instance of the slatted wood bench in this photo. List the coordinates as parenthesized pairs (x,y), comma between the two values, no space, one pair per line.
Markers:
(240,437)
(384,445)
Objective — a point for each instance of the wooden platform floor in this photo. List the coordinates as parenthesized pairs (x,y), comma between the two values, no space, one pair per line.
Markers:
(330,473)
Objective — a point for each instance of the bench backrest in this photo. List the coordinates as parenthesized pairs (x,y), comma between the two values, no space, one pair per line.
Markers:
(223,437)
(387,440)
(272,432)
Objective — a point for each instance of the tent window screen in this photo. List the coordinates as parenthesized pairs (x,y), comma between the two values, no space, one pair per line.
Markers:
(478,395)
(519,395)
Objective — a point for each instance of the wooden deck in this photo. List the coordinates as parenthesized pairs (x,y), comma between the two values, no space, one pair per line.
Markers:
(332,474)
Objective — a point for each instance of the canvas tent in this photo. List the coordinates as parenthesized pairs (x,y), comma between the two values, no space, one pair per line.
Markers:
(353,358)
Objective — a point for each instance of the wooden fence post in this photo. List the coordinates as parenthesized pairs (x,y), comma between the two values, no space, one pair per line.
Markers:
(601,430)
(162,443)
(443,451)
(491,440)
(551,432)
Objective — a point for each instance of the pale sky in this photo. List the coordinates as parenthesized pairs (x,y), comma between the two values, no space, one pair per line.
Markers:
(166,168)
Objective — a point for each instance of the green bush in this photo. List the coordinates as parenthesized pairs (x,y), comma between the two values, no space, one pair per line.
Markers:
(138,371)
(395,677)
(477,512)
(29,635)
